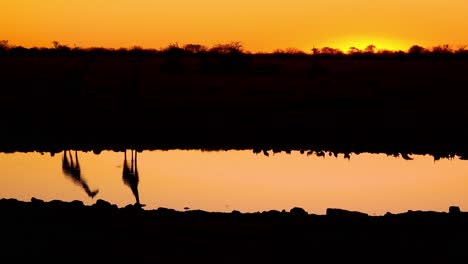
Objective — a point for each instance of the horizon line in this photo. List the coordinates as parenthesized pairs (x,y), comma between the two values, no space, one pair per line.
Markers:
(238,46)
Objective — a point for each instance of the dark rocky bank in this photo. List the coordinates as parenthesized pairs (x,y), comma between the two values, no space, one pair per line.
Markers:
(72,232)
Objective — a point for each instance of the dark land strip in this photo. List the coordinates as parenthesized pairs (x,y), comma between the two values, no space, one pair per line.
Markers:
(72,232)
(379,104)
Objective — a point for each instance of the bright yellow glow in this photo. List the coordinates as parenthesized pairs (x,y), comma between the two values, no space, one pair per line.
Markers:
(261,25)
(361,42)
(241,180)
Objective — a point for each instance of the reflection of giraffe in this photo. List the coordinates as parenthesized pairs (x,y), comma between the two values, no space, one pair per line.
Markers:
(72,169)
(130,175)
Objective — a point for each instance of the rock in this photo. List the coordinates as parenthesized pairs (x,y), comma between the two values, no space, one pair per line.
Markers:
(453,210)
(34,200)
(334,212)
(420,213)
(102,204)
(298,211)
(165,211)
(133,207)
(58,204)
(77,203)
(271,213)
(197,212)
(236,212)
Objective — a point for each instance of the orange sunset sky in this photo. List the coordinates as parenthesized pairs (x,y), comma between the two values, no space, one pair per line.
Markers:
(260,25)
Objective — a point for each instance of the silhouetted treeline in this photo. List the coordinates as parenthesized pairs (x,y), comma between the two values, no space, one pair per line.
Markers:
(236,48)
(226,98)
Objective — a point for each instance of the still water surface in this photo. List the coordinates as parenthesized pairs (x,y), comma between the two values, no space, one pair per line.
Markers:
(241,180)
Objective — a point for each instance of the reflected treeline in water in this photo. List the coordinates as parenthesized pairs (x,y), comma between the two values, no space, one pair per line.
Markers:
(346,155)
(71,168)
(130,174)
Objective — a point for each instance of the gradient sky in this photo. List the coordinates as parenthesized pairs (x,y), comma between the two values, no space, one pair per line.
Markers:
(260,25)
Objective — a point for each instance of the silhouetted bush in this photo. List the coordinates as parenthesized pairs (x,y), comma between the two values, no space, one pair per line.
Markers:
(442,49)
(174,49)
(354,50)
(195,48)
(229,48)
(417,50)
(330,51)
(4,47)
(20,50)
(462,52)
(370,49)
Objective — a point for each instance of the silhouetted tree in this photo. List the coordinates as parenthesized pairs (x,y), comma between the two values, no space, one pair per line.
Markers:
(315,51)
(195,48)
(4,46)
(462,50)
(330,51)
(136,50)
(442,49)
(370,49)
(294,51)
(173,49)
(56,44)
(288,51)
(59,48)
(354,50)
(416,50)
(229,48)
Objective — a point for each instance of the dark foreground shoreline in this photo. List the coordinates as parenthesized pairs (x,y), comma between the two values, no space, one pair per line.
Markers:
(72,232)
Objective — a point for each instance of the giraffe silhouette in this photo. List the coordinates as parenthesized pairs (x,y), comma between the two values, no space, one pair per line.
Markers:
(130,175)
(71,168)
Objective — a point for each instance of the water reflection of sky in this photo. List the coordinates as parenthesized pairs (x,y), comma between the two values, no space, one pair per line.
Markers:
(244,181)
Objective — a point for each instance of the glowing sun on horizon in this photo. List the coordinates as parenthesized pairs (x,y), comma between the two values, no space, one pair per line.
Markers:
(364,41)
